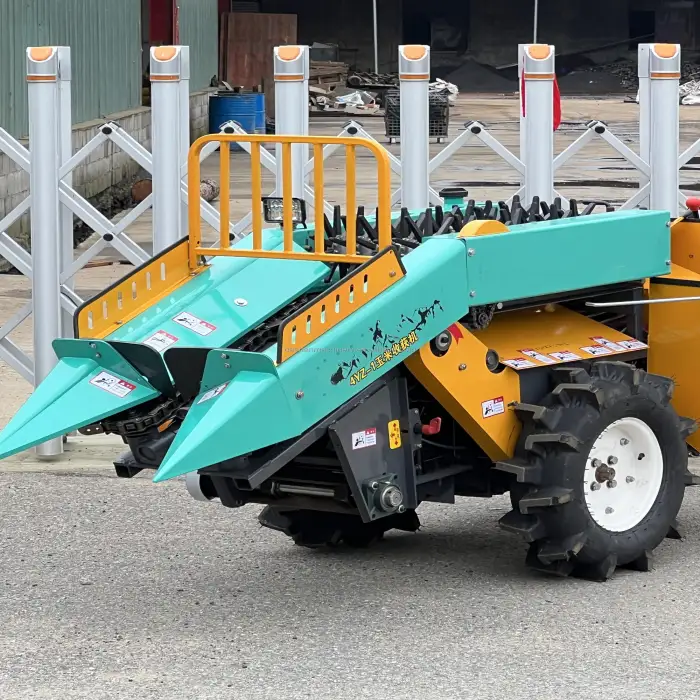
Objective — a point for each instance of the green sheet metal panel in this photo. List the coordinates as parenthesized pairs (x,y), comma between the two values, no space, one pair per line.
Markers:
(557,256)
(199,29)
(258,404)
(91,381)
(105,41)
(233,296)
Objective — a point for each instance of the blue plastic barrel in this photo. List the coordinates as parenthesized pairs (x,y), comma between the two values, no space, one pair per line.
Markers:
(244,108)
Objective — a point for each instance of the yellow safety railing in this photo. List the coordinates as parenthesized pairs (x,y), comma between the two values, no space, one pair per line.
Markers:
(197,251)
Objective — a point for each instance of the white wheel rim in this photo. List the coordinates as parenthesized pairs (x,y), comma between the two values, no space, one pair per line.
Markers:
(619,501)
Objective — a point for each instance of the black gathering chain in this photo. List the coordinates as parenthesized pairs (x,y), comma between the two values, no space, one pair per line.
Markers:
(407,233)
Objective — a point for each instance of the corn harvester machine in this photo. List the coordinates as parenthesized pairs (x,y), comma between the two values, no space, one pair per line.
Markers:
(342,373)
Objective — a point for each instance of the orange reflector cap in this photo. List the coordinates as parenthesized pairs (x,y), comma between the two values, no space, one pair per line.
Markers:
(413,52)
(539,51)
(41,53)
(289,53)
(665,50)
(165,53)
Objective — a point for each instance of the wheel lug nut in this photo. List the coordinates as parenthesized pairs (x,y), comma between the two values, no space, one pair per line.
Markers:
(612,484)
(630,479)
(624,441)
(595,486)
(596,463)
(609,510)
(641,456)
(612,459)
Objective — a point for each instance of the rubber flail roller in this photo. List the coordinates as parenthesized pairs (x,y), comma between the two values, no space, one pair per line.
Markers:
(342,369)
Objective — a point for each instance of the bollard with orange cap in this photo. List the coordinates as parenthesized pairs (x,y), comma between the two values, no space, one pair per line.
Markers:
(47,67)
(414,79)
(644,99)
(170,67)
(659,123)
(539,118)
(291,70)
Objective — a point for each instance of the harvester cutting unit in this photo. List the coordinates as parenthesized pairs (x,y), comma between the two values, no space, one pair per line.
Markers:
(342,374)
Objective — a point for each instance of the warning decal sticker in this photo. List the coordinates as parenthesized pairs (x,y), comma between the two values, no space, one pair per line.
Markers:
(565,356)
(597,350)
(113,385)
(160,341)
(621,345)
(633,345)
(213,393)
(519,363)
(394,435)
(195,324)
(365,438)
(608,344)
(544,359)
(492,407)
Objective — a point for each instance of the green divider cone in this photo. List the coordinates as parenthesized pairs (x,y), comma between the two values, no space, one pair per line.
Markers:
(243,407)
(90,382)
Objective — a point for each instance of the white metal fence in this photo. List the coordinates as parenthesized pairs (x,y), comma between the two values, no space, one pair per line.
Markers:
(53,200)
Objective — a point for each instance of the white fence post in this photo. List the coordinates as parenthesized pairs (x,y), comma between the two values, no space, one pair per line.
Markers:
(538,76)
(414,81)
(521,107)
(43,70)
(65,138)
(291,67)
(184,99)
(664,78)
(643,58)
(166,144)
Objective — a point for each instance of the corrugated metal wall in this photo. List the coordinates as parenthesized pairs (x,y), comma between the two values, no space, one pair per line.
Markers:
(199,29)
(105,41)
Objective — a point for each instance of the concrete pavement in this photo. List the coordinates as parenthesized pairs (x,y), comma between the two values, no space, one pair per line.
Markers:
(124,589)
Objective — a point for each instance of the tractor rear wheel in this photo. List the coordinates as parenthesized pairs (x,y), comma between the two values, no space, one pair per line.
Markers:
(601,467)
(317,529)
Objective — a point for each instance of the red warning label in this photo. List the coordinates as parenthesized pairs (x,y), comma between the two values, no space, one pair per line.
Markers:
(519,363)
(492,407)
(365,438)
(160,341)
(114,385)
(195,324)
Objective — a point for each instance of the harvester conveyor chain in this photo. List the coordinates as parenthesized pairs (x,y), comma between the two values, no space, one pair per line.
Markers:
(265,335)
(408,232)
(137,423)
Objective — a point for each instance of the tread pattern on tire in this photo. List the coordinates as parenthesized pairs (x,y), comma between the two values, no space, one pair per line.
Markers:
(549,509)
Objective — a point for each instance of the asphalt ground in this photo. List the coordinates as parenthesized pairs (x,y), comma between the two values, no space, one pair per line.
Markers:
(117,588)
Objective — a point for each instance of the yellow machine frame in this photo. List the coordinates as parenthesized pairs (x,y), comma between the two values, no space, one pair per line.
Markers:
(286,142)
(674,328)
(174,266)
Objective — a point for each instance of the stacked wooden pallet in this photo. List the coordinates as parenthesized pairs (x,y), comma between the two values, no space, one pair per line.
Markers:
(328,75)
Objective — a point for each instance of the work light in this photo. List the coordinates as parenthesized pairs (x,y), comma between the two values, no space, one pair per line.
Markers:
(273,209)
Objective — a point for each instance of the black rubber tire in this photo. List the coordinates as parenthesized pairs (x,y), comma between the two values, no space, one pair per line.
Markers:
(549,508)
(317,529)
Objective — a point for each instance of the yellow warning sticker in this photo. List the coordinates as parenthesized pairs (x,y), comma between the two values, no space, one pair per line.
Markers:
(394,435)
